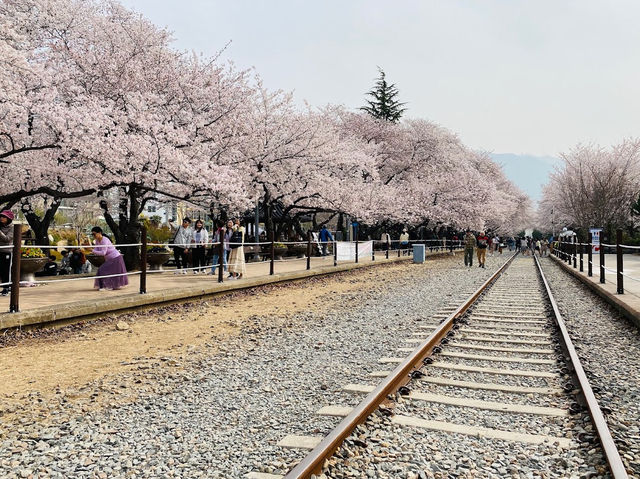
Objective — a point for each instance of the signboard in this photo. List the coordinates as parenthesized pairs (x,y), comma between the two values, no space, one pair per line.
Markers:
(347,250)
(595,239)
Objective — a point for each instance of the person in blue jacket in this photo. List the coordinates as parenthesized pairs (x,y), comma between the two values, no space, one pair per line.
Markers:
(325,236)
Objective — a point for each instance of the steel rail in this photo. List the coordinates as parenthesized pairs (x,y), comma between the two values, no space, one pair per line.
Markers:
(616,465)
(314,461)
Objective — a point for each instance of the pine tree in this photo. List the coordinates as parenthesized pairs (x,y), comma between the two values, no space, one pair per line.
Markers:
(384,104)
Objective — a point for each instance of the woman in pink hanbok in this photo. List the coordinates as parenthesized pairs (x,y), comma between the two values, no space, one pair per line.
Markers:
(113,263)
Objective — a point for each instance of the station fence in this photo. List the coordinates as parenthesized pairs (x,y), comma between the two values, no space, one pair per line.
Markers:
(574,252)
(268,249)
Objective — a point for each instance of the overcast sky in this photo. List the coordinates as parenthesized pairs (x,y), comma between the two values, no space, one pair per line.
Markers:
(512,76)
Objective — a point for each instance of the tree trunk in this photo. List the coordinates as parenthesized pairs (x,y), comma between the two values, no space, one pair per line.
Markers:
(127,229)
(40,226)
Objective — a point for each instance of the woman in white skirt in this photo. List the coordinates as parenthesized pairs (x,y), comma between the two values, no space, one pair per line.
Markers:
(237,266)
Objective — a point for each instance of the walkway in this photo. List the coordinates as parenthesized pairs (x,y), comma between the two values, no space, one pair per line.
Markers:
(69,299)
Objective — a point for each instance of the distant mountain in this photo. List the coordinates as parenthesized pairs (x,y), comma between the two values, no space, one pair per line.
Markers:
(528,172)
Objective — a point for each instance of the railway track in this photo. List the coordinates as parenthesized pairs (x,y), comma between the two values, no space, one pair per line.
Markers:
(499,368)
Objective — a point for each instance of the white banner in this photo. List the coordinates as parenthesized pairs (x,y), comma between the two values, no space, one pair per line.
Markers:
(347,250)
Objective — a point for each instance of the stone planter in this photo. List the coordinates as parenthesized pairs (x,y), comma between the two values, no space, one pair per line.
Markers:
(279,252)
(29,266)
(156,260)
(95,260)
(252,253)
(298,250)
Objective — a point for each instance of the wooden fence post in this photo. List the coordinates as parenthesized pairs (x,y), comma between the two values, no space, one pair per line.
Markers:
(590,256)
(602,280)
(14,300)
(619,265)
(273,256)
(143,261)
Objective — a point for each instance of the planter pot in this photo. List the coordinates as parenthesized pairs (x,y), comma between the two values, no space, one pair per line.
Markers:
(252,253)
(156,260)
(29,266)
(279,252)
(95,260)
(298,250)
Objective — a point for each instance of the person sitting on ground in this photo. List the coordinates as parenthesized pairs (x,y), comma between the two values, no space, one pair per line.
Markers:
(113,265)
(50,267)
(76,259)
(65,265)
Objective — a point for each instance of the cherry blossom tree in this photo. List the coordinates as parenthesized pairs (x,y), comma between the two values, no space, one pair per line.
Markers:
(594,187)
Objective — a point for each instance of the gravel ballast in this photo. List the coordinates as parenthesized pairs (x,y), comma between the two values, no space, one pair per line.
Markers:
(381,449)
(219,414)
(609,348)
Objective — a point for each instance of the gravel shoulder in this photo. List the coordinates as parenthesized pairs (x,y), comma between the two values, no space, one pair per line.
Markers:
(609,349)
(206,389)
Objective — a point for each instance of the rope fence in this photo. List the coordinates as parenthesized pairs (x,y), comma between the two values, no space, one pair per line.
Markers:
(569,251)
(262,253)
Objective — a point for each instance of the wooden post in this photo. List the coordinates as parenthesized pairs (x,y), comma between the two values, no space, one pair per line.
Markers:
(356,246)
(387,246)
(575,251)
(619,265)
(221,255)
(590,256)
(14,300)
(601,261)
(581,258)
(273,255)
(308,250)
(143,261)
(373,250)
(335,253)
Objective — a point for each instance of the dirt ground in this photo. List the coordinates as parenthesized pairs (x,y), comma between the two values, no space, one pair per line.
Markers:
(71,363)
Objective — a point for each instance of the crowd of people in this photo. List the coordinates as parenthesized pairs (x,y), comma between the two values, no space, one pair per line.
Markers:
(196,239)
(191,242)
(494,244)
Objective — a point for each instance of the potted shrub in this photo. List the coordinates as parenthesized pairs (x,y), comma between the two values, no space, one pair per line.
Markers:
(157,256)
(299,250)
(32,260)
(279,250)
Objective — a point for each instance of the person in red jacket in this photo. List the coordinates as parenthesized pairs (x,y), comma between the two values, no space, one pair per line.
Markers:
(483,243)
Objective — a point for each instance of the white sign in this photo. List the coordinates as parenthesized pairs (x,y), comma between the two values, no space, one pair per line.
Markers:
(595,239)
(347,250)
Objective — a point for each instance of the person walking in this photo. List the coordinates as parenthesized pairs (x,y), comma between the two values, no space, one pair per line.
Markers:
(325,237)
(181,242)
(483,244)
(469,244)
(199,240)
(237,265)
(113,263)
(6,241)
(544,248)
(404,239)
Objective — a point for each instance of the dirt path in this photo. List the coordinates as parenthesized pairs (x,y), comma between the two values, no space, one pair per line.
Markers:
(37,367)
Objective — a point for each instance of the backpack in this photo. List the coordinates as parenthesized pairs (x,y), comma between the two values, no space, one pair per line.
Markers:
(236,237)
